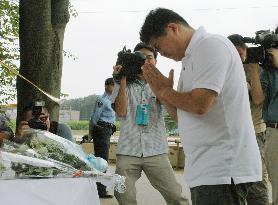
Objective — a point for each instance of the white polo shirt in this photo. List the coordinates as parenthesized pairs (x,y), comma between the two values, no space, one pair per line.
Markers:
(220,144)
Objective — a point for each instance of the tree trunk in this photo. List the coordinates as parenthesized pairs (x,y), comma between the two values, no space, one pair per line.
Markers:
(41,33)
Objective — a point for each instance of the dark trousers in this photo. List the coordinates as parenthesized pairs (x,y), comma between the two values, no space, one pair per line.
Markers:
(224,194)
(258,193)
(101,137)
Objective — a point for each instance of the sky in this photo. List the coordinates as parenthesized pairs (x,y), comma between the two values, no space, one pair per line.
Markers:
(104,27)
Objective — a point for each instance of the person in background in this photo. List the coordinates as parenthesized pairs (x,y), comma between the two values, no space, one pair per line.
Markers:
(258,193)
(101,127)
(60,129)
(143,145)
(269,80)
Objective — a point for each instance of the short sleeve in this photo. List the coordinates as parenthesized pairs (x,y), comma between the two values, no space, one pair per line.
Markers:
(211,63)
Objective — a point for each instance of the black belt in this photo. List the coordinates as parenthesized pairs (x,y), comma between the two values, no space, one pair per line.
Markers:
(272,125)
(105,124)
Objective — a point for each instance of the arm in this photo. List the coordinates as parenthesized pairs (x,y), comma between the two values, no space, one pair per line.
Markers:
(208,79)
(256,87)
(265,82)
(274,55)
(97,111)
(197,101)
(95,115)
(121,99)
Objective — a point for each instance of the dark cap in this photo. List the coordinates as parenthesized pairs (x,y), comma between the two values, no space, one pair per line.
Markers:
(109,81)
(237,40)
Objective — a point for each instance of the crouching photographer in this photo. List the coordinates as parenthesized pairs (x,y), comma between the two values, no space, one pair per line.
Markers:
(269,80)
(142,145)
(36,116)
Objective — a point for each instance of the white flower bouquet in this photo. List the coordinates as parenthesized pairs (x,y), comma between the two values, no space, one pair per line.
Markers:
(42,155)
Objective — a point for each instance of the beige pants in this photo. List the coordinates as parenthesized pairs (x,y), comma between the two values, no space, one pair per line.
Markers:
(159,172)
(271,157)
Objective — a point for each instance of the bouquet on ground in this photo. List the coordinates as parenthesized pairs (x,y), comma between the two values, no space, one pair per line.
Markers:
(43,154)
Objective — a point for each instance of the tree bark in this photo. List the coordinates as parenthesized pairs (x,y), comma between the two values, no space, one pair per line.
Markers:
(41,33)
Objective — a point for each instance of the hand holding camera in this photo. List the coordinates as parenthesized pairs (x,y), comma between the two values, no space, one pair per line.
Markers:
(117,70)
(274,56)
(131,64)
(266,40)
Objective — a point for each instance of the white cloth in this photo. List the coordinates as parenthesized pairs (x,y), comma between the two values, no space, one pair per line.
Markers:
(220,144)
(69,191)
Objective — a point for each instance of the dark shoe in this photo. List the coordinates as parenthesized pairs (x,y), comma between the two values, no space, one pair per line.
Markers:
(106,196)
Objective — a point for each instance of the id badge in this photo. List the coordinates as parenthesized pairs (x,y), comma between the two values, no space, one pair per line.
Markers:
(142,114)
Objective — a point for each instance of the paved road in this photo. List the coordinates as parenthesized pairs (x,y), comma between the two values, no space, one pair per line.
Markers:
(146,194)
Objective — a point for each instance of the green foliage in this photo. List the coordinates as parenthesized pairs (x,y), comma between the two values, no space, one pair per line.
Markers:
(170,124)
(9,48)
(72,10)
(84,105)
(12,124)
(79,125)
(118,125)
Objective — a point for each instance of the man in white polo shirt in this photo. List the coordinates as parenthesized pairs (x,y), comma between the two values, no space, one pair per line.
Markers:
(211,106)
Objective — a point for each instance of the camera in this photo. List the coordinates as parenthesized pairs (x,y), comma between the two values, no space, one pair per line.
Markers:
(265,39)
(36,122)
(131,65)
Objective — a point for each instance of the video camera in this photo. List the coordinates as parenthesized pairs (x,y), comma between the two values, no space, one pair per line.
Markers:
(131,65)
(36,122)
(266,39)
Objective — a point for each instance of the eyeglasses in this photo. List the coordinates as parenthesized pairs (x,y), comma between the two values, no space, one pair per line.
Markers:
(149,57)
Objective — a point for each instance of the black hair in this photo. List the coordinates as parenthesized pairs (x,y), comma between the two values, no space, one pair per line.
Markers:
(156,21)
(276,30)
(109,81)
(237,40)
(29,107)
(142,45)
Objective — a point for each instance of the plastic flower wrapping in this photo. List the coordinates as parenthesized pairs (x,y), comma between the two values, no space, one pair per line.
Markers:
(41,154)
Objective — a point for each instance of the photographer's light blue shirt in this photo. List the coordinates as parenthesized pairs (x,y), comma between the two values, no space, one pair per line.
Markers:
(102,110)
(136,140)
(269,81)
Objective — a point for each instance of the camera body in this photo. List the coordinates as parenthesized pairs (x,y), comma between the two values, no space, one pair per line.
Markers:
(265,39)
(131,65)
(36,122)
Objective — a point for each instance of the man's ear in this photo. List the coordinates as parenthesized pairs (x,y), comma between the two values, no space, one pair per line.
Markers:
(174,27)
